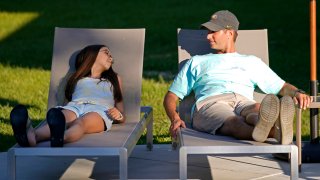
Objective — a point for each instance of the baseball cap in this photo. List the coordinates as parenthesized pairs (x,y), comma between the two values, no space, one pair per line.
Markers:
(223,19)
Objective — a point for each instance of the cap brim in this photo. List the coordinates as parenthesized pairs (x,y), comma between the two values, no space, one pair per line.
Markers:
(211,26)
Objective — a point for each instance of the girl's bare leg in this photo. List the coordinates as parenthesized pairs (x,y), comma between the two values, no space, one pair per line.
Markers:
(42,133)
(89,123)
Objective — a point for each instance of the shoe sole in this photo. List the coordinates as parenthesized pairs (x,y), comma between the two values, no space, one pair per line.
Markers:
(19,119)
(268,114)
(277,130)
(286,119)
(57,124)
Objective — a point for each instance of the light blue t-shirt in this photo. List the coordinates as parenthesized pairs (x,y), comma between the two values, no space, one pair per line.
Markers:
(93,91)
(215,74)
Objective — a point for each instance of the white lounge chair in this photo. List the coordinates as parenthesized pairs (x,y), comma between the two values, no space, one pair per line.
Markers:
(127,47)
(193,42)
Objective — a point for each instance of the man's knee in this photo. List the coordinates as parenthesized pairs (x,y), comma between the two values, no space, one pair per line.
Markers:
(232,125)
(237,127)
(254,108)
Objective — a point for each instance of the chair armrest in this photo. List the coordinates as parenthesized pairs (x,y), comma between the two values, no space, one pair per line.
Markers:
(146,110)
(177,143)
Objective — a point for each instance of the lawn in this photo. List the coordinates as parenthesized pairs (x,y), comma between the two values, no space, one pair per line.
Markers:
(26,43)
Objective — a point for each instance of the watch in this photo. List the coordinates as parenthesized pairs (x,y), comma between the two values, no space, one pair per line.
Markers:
(298,91)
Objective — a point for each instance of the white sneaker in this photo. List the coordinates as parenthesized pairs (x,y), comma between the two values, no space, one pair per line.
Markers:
(268,114)
(286,120)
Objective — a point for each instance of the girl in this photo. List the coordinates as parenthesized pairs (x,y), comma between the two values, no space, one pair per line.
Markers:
(94,99)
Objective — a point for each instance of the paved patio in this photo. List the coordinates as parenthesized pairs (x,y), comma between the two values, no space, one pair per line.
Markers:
(161,163)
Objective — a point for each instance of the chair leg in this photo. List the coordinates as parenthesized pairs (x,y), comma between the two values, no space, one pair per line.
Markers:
(298,136)
(294,162)
(183,163)
(11,161)
(150,132)
(123,163)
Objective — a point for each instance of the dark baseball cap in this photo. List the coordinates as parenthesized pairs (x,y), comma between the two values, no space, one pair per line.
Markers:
(223,19)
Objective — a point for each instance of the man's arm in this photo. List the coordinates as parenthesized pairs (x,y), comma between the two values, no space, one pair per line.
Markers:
(170,104)
(303,99)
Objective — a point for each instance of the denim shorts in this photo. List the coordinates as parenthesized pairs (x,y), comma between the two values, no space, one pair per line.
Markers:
(210,114)
(80,109)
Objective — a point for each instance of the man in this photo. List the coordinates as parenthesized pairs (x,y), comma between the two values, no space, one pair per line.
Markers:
(223,84)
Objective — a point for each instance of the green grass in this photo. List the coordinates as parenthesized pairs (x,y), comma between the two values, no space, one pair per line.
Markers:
(158,87)
(25,86)
(27,30)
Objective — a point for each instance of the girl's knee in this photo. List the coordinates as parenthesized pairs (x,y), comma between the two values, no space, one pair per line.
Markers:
(90,124)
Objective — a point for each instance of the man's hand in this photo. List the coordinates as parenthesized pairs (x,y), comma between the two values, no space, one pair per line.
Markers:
(302,99)
(170,104)
(299,97)
(175,124)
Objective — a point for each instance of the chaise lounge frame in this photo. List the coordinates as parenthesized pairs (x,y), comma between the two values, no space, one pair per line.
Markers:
(127,47)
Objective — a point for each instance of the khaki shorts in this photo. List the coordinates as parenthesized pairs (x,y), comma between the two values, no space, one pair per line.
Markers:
(210,114)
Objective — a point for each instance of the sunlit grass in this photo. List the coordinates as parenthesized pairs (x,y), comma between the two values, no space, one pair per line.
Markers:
(153,92)
(21,86)
(13,21)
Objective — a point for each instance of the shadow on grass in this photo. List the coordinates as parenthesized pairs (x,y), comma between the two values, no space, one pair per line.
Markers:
(305,138)
(13,103)
(8,102)
(6,141)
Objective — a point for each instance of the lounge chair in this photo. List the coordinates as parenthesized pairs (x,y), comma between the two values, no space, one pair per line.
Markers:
(127,47)
(193,42)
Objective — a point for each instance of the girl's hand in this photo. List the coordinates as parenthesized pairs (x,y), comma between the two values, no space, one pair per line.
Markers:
(115,114)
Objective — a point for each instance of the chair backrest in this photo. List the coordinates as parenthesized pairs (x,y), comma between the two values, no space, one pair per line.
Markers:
(194,42)
(127,48)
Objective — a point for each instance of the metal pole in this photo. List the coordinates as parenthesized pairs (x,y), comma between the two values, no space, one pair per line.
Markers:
(313,72)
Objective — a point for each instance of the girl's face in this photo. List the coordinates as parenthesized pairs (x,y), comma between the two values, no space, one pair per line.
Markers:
(104,59)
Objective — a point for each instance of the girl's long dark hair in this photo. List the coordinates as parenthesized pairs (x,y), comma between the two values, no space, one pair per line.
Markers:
(83,64)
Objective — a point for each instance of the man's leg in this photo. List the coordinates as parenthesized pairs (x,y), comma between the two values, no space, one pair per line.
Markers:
(251,114)
(220,117)
(237,127)
(242,124)
(241,127)
(268,114)
(212,116)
